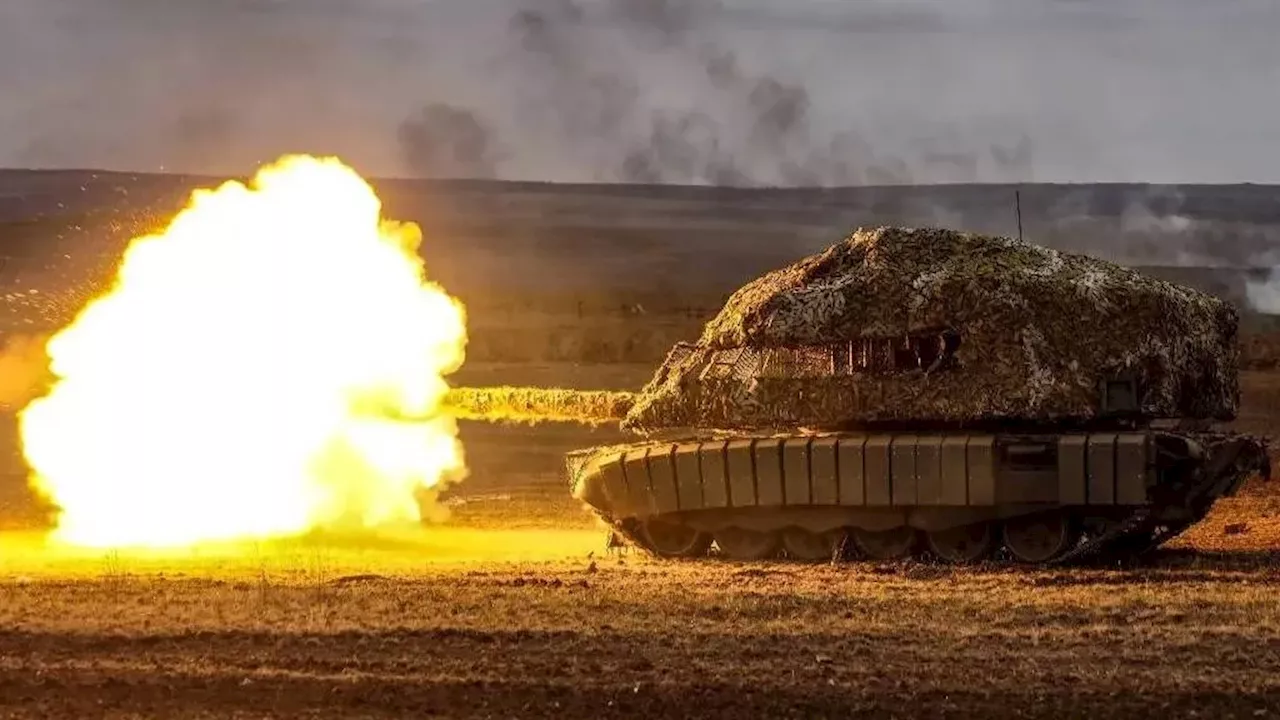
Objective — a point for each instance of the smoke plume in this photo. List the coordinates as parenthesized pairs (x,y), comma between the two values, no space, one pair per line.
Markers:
(1264,296)
(741,92)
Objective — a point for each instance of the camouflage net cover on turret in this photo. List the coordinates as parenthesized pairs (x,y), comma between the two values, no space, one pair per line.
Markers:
(898,324)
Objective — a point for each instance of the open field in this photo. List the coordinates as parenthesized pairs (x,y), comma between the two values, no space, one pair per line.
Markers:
(511,607)
(326,634)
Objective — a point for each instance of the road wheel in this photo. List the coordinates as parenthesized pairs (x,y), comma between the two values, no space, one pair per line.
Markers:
(673,540)
(1041,537)
(807,546)
(740,544)
(964,544)
(894,544)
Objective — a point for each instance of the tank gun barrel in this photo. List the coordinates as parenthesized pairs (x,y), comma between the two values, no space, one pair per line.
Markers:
(535,404)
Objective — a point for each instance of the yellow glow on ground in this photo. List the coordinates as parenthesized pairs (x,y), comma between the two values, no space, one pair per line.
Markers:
(33,556)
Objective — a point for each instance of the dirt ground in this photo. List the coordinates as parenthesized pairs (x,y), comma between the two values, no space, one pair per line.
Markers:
(628,638)
(512,608)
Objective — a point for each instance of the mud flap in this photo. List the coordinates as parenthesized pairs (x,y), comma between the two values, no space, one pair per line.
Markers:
(1233,462)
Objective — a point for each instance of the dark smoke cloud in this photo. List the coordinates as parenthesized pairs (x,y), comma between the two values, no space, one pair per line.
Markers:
(705,91)
(444,141)
(648,92)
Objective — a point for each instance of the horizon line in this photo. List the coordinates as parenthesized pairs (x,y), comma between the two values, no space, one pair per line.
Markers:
(622,184)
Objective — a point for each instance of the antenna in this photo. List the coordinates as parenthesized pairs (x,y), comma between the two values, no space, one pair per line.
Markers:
(1017,209)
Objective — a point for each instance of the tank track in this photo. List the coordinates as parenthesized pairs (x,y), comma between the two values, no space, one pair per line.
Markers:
(1123,541)
(1118,537)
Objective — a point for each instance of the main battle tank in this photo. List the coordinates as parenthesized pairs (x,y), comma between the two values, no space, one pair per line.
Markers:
(912,391)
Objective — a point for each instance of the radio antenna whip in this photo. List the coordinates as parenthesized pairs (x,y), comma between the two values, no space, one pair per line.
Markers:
(1017,209)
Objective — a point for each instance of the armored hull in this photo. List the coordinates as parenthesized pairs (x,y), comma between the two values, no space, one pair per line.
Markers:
(1034,497)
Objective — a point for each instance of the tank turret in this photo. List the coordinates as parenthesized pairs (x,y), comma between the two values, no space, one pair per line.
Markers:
(896,325)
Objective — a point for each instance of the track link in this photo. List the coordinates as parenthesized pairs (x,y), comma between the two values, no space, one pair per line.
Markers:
(1121,542)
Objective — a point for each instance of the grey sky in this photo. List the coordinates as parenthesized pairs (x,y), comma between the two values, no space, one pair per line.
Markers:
(903,91)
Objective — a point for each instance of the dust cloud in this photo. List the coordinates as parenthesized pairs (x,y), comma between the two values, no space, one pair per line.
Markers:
(24,370)
(740,92)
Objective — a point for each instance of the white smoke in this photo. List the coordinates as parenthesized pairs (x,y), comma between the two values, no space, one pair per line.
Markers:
(740,91)
(1264,297)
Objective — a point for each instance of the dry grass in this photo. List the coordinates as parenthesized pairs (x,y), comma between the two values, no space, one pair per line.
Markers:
(1260,350)
(380,635)
(466,622)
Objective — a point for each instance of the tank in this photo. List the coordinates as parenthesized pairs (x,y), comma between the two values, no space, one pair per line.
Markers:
(921,391)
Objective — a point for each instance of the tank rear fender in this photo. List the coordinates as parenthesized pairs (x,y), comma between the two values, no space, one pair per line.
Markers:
(1232,461)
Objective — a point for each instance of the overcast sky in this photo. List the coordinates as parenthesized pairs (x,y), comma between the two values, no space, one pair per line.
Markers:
(742,92)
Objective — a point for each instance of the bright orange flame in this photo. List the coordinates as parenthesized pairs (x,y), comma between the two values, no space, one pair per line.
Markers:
(242,378)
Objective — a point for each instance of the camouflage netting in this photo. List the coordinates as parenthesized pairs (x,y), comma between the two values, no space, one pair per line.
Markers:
(524,404)
(899,324)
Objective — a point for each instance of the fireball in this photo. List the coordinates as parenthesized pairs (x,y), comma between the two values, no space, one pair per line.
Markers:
(271,363)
